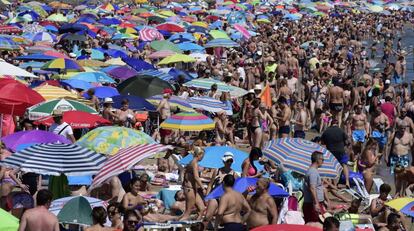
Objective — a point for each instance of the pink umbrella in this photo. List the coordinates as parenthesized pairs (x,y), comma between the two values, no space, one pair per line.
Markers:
(242,30)
(56,54)
(150,34)
(161,54)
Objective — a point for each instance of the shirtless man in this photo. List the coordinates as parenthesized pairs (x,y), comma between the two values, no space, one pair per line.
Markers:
(292,83)
(231,205)
(300,120)
(284,118)
(359,128)
(264,210)
(401,147)
(336,100)
(293,65)
(399,70)
(403,117)
(39,218)
(125,116)
(164,109)
(284,90)
(380,124)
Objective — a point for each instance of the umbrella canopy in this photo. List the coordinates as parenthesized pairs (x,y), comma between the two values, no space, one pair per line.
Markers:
(109,140)
(93,77)
(210,104)
(403,204)
(174,101)
(286,227)
(222,87)
(92,63)
(44,37)
(8,44)
(135,103)
(177,58)
(161,54)
(188,121)
(46,108)
(138,64)
(10,69)
(103,92)
(219,34)
(35,57)
(126,159)
(78,84)
(241,186)
(57,18)
(15,97)
(143,86)
(32,137)
(170,27)
(51,92)
(220,42)
(57,205)
(47,159)
(76,211)
(295,154)
(189,46)
(165,45)
(122,72)
(8,222)
(77,120)
(150,34)
(63,64)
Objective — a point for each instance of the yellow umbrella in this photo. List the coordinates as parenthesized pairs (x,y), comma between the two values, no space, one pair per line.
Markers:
(198,23)
(177,58)
(399,203)
(117,61)
(51,92)
(141,1)
(92,63)
(166,13)
(375,8)
(57,18)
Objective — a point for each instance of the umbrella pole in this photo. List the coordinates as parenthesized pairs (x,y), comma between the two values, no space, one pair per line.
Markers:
(1,125)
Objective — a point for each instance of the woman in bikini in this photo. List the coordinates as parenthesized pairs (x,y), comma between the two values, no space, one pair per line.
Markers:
(193,187)
(248,167)
(132,199)
(255,126)
(366,163)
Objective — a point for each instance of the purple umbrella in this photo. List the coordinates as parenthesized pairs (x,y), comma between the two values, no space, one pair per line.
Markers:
(33,137)
(122,72)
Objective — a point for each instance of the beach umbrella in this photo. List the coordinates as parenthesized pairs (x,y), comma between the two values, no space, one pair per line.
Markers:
(295,154)
(92,63)
(186,36)
(161,54)
(156,73)
(138,64)
(197,29)
(72,28)
(240,28)
(210,104)
(62,64)
(103,92)
(165,45)
(57,18)
(51,92)
(242,184)
(124,36)
(116,61)
(404,205)
(32,137)
(15,97)
(174,101)
(44,37)
(76,211)
(9,29)
(8,222)
(177,58)
(78,84)
(77,120)
(109,139)
(219,34)
(188,121)
(170,27)
(375,8)
(74,37)
(57,205)
(222,87)
(212,158)
(135,103)
(10,69)
(122,72)
(36,56)
(150,34)
(8,44)
(286,227)
(93,77)
(109,21)
(143,86)
(293,17)
(47,159)
(189,46)
(46,108)
(126,159)
(221,43)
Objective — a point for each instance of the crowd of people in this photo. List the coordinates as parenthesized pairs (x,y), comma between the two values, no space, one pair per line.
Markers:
(347,89)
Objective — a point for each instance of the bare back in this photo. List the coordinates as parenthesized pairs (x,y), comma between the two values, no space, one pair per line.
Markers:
(39,219)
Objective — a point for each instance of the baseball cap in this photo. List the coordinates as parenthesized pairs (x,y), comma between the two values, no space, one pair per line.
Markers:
(227,156)
(387,81)
(108,100)
(167,91)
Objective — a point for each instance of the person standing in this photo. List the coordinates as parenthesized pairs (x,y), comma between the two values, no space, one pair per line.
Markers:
(231,205)
(61,128)
(39,218)
(313,192)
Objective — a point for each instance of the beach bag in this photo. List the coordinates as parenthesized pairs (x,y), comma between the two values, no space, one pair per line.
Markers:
(287,177)
(293,203)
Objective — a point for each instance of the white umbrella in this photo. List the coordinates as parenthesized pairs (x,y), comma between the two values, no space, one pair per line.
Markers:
(10,69)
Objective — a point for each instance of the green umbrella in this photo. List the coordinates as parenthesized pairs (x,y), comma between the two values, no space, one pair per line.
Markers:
(8,222)
(57,18)
(46,108)
(157,19)
(161,45)
(177,58)
(76,211)
(219,34)
(143,86)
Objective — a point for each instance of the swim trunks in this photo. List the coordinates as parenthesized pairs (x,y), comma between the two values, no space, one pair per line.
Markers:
(358,136)
(336,107)
(284,130)
(380,137)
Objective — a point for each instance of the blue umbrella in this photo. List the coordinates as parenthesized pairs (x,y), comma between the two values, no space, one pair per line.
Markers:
(113,53)
(109,21)
(221,43)
(189,46)
(72,28)
(179,40)
(32,64)
(187,36)
(77,83)
(197,29)
(212,158)
(51,28)
(180,74)
(241,186)
(156,73)
(35,57)
(103,92)
(135,102)
(138,64)
(86,20)
(93,77)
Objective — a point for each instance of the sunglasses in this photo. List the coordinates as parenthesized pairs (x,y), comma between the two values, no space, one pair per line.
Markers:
(112,212)
(133,222)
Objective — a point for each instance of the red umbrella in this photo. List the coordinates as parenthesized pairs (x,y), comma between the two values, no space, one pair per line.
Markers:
(15,97)
(77,119)
(170,27)
(286,227)
(7,29)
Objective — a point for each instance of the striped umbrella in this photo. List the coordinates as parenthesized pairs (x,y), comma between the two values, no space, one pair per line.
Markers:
(210,104)
(242,30)
(220,42)
(51,92)
(46,108)
(295,154)
(44,36)
(8,44)
(156,73)
(175,102)
(207,83)
(125,160)
(55,159)
(63,64)
(150,34)
(93,77)
(161,54)
(110,139)
(188,121)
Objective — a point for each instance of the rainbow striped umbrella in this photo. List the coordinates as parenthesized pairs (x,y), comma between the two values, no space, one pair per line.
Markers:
(63,64)
(188,121)
(175,102)
(295,154)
